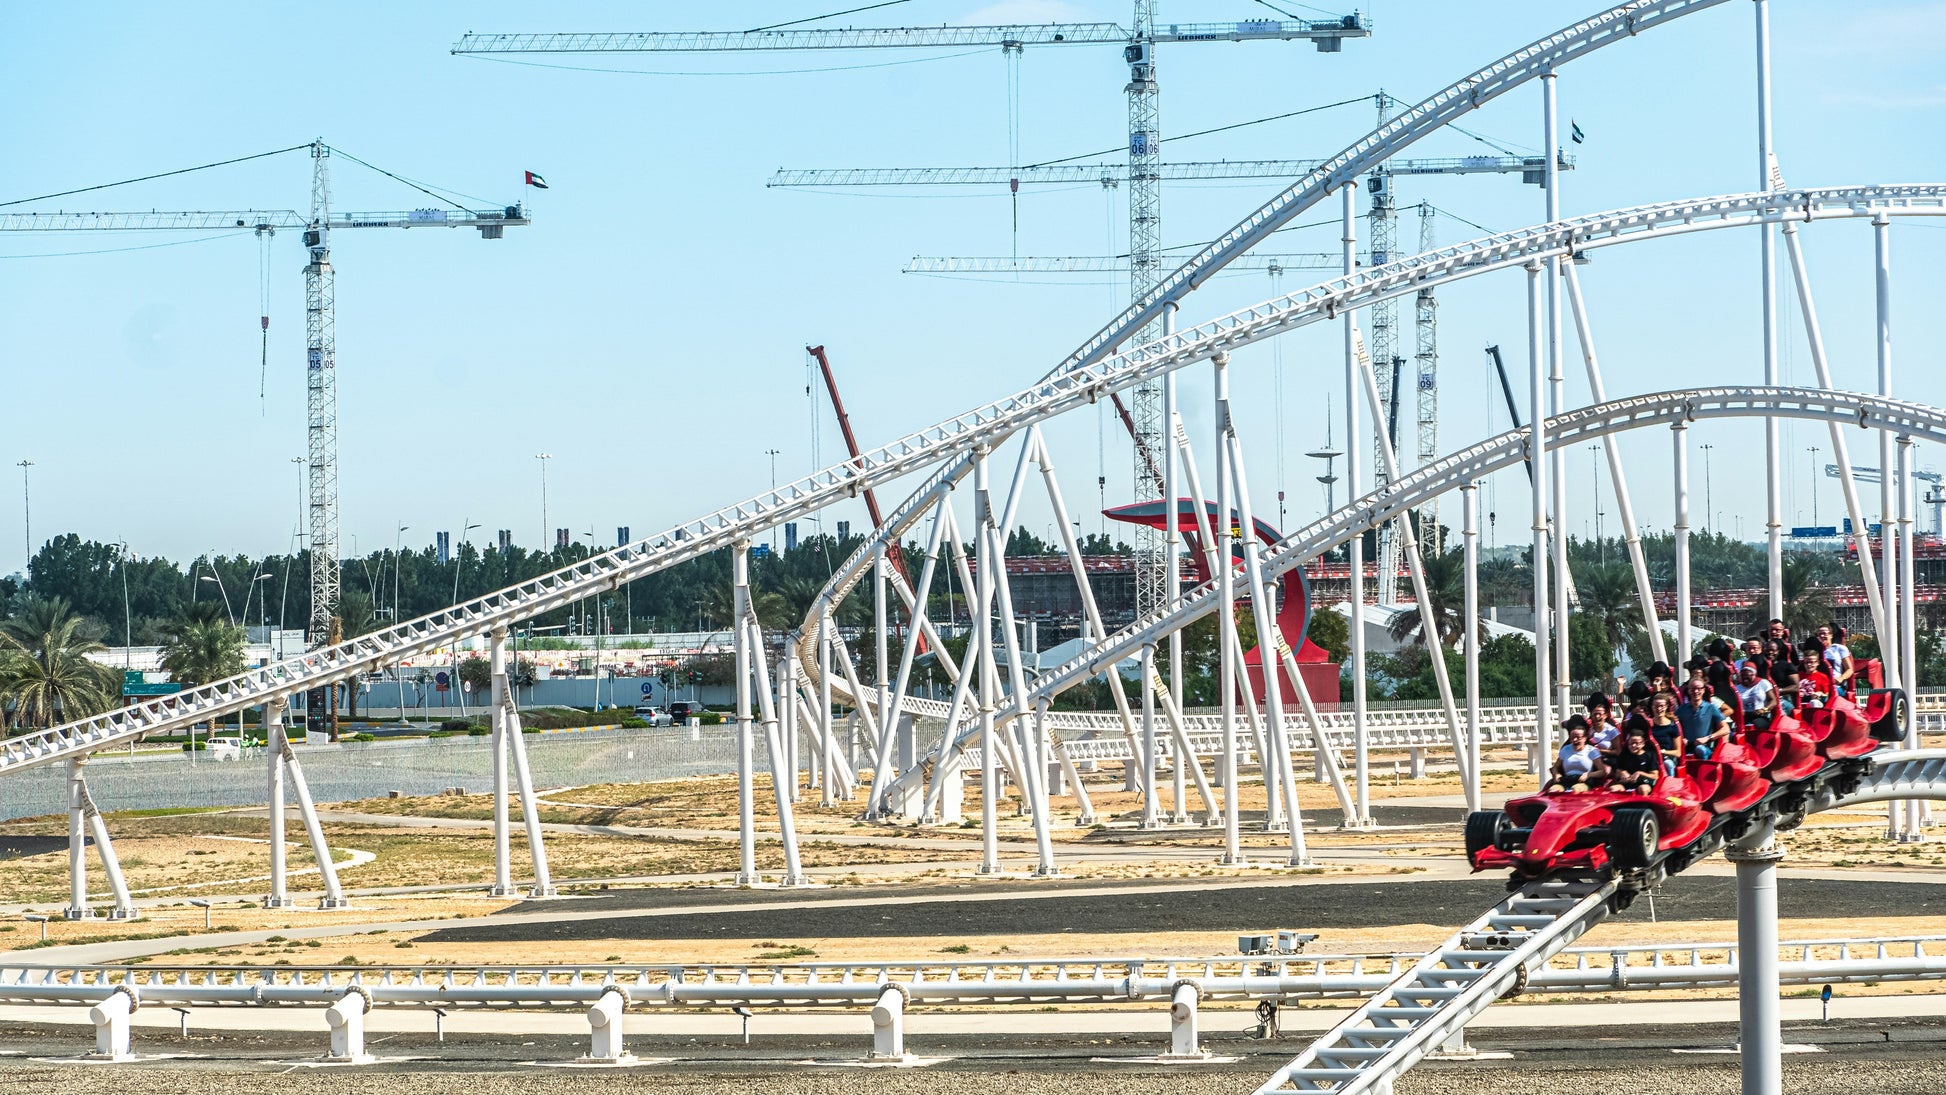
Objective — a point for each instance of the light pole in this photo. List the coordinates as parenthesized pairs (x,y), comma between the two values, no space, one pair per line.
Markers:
(1594,460)
(26,511)
(457,562)
(772,453)
(1814,485)
(1709,507)
(212,576)
(128,615)
(544,457)
(459,687)
(398,538)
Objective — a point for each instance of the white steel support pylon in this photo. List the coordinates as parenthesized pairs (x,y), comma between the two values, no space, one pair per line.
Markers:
(321,401)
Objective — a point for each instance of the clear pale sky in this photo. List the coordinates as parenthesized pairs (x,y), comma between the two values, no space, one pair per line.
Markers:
(648,329)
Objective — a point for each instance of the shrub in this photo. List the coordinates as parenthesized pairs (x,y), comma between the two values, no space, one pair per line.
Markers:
(711,718)
(456,726)
(361,736)
(633,723)
(478,731)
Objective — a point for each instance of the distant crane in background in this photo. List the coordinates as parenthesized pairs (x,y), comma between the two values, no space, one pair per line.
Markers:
(1145,167)
(1933,498)
(1388,362)
(320,330)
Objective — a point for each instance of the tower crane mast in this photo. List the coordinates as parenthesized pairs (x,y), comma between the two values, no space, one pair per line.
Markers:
(320,326)
(1145,168)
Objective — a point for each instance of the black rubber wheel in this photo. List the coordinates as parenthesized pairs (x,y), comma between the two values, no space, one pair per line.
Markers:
(1891,727)
(1633,834)
(1485,829)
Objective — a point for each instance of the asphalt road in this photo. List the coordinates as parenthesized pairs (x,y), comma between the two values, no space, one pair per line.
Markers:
(1861,1058)
(999,908)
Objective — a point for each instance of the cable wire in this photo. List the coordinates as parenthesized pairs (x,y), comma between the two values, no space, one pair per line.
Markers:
(118,250)
(408,182)
(1218,129)
(827,15)
(161,175)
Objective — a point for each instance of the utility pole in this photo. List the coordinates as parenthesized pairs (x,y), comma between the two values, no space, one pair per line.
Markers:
(1814,485)
(544,457)
(1709,507)
(772,453)
(26,512)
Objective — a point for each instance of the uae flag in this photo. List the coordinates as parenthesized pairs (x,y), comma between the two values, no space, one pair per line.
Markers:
(536,180)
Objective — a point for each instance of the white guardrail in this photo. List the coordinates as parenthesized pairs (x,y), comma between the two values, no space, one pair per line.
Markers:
(113,994)
(1044,980)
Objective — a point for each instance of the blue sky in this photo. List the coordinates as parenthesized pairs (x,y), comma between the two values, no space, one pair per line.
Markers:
(647,330)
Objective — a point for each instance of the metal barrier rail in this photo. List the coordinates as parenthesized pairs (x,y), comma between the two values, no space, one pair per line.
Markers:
(1067,980)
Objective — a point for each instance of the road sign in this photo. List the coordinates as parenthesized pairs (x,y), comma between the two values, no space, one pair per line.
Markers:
(441,681)
(648,688)
(135,684)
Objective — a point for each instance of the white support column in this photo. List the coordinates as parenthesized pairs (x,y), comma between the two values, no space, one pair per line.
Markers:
(111,1019)
(1151,792)
(499,718)
(111,864)
(893,721)
(1624,506)
(1537,461)
(1898,597)
(787,711)
(606,1043)
(77,844)
(987,558)
(1470,538)
(1226,619)
(530,808)
(1761,1029)
(1908,625)
(1355,548)
(334,895)
(1416,570)
(746,776)
(1275,760)
(888,1024)
(1172,541)
(1840,447)
(1767,180)
(826,750)
(275,738)
(881,662)
(776,753)
(1183,1003)
(1557,403)
(346,1019)
(1035,751)
(1685,647)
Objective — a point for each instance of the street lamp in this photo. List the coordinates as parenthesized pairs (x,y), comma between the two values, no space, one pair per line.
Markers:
(544,457)
(1814,485)
(1709,507)
(218,579)
(26,511)
(203,905)
(397,539)
(128,615)
(37,918)
(772,453)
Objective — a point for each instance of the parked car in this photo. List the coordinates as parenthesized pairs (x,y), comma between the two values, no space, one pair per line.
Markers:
(654,716)
(683,710)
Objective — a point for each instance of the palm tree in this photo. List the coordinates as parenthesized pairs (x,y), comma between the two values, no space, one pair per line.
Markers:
(200,648)
(1446,594)
(1608,594)
(1806,604)
(45,674)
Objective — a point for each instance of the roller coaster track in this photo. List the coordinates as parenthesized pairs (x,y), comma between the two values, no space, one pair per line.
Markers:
(987,425)
(1085,385)
(1523,65)
(1492,956)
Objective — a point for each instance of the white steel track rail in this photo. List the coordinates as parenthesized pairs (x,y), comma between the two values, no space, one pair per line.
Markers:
(944,442)
(1328,300)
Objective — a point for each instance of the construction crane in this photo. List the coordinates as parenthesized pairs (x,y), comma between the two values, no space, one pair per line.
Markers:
(1145,168)
(1934,497)
(1531,169)
(320,350)
(1383,248)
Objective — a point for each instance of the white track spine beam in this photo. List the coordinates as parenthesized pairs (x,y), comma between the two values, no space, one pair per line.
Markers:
(1448,987)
